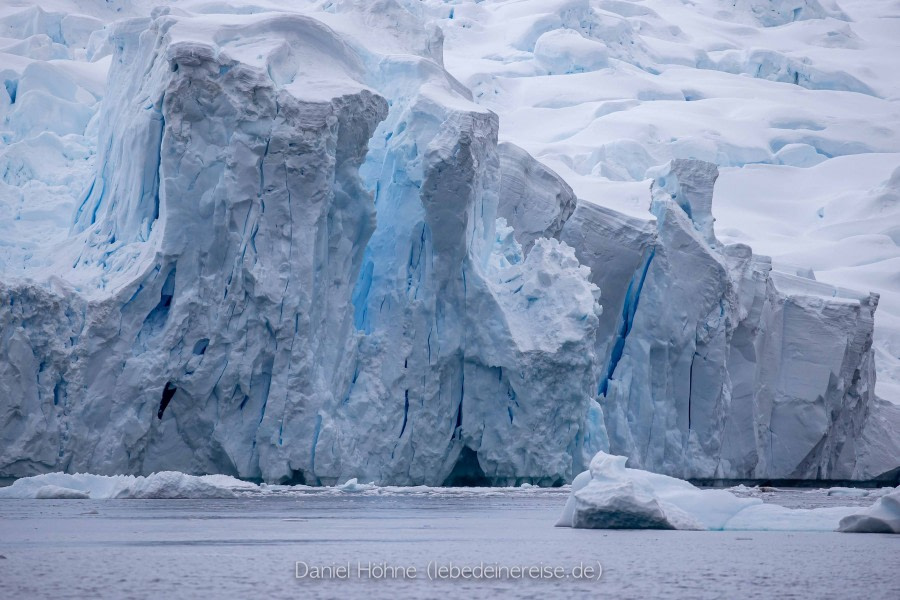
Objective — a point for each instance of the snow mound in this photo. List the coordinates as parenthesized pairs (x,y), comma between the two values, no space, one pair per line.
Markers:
(773,13)
(163,485)
(882,517)
(566,51)
(611,496)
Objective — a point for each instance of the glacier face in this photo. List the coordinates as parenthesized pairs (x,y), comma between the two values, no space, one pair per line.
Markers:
(233,307)
(301,255)
(715,365)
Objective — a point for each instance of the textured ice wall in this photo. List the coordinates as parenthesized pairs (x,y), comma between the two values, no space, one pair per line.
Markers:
(217,312)
(286,265)
(716,366)
(476,362)
(225,221)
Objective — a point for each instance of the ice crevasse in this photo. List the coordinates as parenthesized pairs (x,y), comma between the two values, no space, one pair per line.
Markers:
(302,256)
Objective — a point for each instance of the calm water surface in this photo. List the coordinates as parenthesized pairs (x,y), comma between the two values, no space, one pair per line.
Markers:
(249,547)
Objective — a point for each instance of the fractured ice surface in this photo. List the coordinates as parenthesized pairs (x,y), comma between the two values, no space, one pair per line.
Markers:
(534,200)
(795,100)
(297,253)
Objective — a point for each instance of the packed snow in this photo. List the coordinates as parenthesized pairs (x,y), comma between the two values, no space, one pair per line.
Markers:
(312,244)
(611,496)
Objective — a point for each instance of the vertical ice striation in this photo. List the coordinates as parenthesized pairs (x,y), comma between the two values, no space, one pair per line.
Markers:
(225,222)
(229,304)
(718,367)
(445,371)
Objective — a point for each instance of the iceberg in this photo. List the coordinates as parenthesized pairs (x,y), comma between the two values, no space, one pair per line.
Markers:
(54,492)
(611,496)
(881,517)
(163,485)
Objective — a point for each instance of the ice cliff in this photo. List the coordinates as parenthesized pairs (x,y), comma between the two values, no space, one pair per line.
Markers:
(713,364)
(299,254)
(230,304)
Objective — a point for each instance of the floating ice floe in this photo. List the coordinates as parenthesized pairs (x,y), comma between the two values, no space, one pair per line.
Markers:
(881,517)
(851,492)
(611,496)
(163,485)
(354,486)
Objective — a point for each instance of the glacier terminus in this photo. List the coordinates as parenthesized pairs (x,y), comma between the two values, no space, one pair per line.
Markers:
(267,243)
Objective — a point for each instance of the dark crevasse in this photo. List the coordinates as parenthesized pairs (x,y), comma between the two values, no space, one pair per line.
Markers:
(360,297)
(155,321)
(167,395)
(467,472)
(691,387)
(12,87)
(629,309)
(405,412)
(151,183)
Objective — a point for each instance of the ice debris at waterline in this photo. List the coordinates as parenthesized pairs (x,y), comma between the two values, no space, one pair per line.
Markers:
(164,485)
(297,253)
(611,496)
(174,485)
(881,517)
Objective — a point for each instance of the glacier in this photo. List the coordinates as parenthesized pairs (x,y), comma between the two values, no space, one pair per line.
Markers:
(277,247)
(232,307)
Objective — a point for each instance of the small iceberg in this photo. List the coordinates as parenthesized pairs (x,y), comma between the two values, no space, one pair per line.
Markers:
(354,486)
(612,496)
(162,485)
(881,517)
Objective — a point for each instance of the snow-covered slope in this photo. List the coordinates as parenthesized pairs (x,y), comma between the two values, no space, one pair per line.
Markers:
(274,244)
(797,101)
